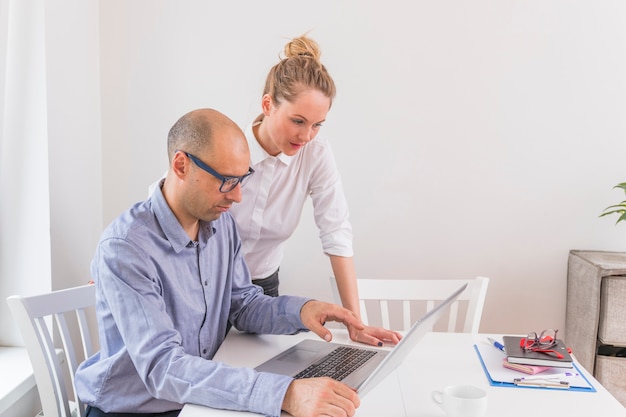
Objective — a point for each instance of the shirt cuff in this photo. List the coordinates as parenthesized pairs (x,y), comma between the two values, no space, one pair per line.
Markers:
(290,310)
(268,393)
(338,243)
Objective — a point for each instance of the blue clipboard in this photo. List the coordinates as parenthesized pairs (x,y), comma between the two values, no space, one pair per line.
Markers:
(499,376)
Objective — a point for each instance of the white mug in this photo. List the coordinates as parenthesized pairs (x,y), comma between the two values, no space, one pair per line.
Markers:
(462,401)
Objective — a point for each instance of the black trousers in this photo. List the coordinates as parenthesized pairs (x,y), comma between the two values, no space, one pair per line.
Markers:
(269,284)
(96,412)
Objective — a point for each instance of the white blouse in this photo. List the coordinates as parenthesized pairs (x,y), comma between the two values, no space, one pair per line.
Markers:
(273,199)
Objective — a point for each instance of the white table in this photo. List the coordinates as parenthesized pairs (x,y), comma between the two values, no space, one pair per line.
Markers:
(440,359)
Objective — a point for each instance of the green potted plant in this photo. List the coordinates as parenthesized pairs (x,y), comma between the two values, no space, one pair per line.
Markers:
(617,208)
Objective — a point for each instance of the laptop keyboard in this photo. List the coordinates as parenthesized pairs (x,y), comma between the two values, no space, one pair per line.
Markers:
(338,364)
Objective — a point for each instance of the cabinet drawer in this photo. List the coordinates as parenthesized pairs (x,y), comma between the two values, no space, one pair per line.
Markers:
(610,371)
(612,325)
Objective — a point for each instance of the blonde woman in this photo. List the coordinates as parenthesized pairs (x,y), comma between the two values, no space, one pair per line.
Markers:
(292,161)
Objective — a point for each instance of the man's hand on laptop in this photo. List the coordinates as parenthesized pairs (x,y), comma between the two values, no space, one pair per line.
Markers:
(315,314)
(375,336)
(310,397)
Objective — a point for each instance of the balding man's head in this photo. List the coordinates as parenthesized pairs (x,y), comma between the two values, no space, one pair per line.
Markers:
(205,149)
(197,131)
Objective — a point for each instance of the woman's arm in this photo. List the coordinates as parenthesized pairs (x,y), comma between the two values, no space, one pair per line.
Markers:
(345,275)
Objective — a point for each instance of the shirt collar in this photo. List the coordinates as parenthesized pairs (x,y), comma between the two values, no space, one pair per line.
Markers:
(257,153)
(172,229)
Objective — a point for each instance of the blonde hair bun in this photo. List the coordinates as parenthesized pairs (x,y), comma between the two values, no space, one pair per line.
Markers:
(303,46)
(299,70)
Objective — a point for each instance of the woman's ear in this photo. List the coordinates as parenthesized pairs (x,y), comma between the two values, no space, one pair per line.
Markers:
(266,104)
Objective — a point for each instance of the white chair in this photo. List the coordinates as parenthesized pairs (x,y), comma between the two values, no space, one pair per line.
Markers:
(40,317)
(419,294)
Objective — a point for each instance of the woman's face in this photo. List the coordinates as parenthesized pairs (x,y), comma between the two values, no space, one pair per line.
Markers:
(291,125)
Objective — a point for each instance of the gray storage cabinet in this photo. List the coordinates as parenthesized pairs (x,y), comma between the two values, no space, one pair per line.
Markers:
(595,321)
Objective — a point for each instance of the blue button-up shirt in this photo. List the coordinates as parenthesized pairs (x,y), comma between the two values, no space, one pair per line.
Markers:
(164,305)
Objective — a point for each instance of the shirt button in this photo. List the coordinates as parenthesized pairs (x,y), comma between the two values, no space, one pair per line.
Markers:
(204,351)
(206,283)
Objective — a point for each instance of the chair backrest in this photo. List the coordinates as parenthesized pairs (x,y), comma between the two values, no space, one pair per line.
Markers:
(419,294)
(39,319)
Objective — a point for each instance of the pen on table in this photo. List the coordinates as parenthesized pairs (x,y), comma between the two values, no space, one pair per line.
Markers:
(497,344)
(545,384)
(549,377)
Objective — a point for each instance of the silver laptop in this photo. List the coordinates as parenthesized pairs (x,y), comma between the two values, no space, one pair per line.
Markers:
(362,368)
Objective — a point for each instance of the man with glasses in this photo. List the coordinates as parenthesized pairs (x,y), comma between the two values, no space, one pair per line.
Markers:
(170,281)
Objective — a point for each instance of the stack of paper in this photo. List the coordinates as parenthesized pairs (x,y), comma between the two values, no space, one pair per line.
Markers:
(492,360)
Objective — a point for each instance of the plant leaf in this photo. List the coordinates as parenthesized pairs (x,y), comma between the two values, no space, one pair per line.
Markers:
(606,213)
(621,205)
(617,208)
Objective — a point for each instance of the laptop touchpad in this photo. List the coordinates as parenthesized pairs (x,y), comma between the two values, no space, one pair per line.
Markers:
(299,356)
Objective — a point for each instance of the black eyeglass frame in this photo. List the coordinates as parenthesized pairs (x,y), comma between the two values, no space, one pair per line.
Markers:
(231,181)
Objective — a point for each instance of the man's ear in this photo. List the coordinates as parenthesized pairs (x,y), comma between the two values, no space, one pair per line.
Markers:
(180,164)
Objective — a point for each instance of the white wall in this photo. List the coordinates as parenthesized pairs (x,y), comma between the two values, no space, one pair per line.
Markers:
(474,138)
(75,148)
(50,175)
